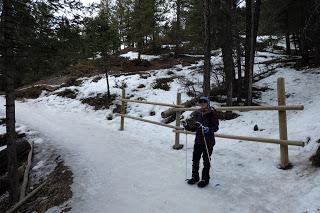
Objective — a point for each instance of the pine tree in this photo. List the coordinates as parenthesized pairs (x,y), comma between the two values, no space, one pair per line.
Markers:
(28,38)
(145,21)
(297,19)
(207,48)
(252,23)
(123,11)
(194,24)
(102,36)
(227,49)
(8,45)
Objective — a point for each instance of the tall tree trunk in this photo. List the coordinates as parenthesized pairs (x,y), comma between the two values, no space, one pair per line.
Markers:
(247,72)
(139,49)
(294,37)
(304,49)
(177,28)
(288,48)
(154,47)
(238,50)
(317,51)
(139,34)
(106,68)
(306,11)
(2,81)
(227,50)
(8,29)
(207,48)
(254,32)
(215,7)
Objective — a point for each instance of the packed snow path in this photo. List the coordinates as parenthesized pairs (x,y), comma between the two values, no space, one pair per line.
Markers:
(137,171)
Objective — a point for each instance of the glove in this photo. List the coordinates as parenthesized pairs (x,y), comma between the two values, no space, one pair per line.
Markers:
(205,129)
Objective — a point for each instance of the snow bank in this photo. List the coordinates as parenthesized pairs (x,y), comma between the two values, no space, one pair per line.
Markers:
(131,55)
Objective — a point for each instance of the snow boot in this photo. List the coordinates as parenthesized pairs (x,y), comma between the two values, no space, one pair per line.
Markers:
(193,180)
(203,183)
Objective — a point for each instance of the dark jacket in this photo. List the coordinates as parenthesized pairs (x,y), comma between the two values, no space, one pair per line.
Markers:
(208,118)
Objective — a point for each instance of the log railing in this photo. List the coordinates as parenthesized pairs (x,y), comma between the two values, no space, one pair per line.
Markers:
(178,108)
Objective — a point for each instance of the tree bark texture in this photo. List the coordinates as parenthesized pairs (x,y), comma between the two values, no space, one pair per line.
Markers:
(227,50)
(255,15)
(177,28)
(106,68)
(255,23)
(8,29)
(207,48)
(248,46)
(288,47)
(237,47)
(317,52)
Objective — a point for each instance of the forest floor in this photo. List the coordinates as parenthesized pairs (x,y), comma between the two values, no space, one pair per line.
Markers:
(47,166)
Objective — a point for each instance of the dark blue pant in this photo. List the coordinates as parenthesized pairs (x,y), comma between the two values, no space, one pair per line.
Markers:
(199,150)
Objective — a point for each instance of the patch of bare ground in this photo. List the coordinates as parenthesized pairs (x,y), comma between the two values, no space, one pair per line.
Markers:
(33,92)
(55,193)
(68,93)
(48,168)
(117,65)
(100,101)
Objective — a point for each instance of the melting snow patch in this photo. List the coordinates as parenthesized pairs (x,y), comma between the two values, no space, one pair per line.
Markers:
(134,55)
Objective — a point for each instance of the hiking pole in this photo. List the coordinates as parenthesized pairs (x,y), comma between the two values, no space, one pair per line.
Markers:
(205,141)
(186,157)
(184,124)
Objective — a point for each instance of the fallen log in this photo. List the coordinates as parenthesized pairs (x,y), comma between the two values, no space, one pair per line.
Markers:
(170,112)
(264,74)
(21,202)
(23,148)
(169,119)
(26,174)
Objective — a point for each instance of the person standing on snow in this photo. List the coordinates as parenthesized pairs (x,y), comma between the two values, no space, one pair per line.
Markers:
(206,124)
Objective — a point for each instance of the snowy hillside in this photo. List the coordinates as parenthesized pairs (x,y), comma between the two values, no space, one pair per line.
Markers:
(137,171)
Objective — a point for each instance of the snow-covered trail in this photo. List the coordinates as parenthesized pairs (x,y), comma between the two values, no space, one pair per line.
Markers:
(116,172)
(112,172)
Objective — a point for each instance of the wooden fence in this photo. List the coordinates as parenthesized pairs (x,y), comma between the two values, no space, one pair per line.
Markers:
(178,108)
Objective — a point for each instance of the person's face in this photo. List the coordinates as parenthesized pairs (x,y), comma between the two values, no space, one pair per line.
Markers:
(203,104)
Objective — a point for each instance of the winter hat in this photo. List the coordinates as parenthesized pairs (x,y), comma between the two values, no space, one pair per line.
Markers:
(205,98)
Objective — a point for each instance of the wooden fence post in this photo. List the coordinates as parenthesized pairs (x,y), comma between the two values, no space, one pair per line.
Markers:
(123,108)
(177,144)
(284,156)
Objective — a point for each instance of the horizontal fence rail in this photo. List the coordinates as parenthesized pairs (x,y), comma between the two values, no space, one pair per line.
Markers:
(251,139)
(152,122)
(151,103)
(248,108)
